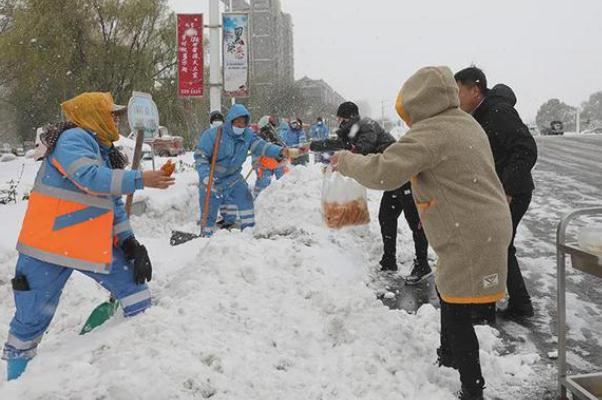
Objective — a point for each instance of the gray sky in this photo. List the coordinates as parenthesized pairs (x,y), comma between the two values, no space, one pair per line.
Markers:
(366,49)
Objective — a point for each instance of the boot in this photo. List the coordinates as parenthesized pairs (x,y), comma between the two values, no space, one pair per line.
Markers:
(474,394)
(223,224)
(15,368)
(446,359)
(388,263)
(518,312)
(420,272)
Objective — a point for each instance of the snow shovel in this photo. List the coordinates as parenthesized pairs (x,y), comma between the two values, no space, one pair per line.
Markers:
(106,310)
(179,237)
(100,315)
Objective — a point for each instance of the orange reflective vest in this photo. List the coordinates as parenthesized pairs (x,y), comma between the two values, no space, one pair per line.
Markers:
(68,228)
(268,163)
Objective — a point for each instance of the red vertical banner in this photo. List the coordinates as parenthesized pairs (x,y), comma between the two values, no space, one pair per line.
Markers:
(190,55)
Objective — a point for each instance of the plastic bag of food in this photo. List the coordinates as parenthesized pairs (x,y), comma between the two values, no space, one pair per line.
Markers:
(344,201)
(590,239)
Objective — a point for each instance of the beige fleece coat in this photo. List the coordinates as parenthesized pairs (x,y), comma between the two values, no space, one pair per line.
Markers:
(462,205)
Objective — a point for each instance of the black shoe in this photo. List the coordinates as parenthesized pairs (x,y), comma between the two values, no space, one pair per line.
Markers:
(519,312)
(465,394)
(222,224)
(420,272)
(445,359)
(388,263)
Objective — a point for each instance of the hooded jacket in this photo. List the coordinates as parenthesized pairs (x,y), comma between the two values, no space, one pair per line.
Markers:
(293,137)
(461,201)
(319,131)
(75,214)
(514,149)
(233,150)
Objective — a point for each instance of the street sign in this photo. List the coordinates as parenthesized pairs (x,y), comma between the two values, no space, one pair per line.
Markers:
(143,113)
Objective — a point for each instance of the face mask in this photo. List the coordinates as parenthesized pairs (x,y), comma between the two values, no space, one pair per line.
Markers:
(216,124)
(238,131)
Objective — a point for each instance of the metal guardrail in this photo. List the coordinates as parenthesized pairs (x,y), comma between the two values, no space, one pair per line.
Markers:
(582,387)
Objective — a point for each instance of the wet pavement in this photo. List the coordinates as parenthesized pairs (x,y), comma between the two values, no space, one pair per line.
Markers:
(568,176)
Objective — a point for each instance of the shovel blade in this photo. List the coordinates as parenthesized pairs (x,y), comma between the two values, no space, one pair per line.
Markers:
(179,237)
(99,316)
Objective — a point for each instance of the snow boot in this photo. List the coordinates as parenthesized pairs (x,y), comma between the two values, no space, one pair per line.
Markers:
(15,368)
(446,359)
(420,272)
(518,312)
(474,394)
(388,263)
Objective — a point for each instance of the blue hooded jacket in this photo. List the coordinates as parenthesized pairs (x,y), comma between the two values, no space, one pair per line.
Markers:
(233,149)
(293,137)
(319,131)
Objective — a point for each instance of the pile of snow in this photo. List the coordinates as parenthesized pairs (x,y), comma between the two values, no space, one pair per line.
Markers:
(282,311)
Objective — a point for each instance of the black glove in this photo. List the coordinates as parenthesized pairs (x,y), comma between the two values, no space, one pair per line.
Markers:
(134,251)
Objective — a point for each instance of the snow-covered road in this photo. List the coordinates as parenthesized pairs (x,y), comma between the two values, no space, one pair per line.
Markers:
(568,175)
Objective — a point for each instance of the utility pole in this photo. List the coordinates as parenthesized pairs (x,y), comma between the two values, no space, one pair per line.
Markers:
(230,10)
(215,76)
(578,117)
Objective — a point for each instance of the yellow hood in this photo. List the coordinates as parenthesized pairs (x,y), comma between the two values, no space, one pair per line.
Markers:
(92,111)
(429,92)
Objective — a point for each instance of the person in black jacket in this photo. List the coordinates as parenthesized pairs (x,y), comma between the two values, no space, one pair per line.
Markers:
(515,153)
(366,136)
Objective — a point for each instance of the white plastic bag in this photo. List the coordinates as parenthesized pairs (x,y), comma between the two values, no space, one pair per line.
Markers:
(344,201)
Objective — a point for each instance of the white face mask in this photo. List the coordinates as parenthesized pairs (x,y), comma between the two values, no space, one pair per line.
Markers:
(238,131)
(216,124)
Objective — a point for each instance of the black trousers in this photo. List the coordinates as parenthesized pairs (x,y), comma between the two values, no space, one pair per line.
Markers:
(392,204)
(517,290)
(459,340)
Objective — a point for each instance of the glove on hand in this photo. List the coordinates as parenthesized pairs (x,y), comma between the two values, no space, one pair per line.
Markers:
(137,253)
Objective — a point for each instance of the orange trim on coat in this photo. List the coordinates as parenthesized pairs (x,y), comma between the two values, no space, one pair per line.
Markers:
(425,205)
(58,166)
(401,111)
(474,300)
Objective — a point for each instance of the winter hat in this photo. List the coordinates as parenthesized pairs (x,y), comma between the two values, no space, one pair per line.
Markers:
(348,109)
(216,116)
(92,111)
